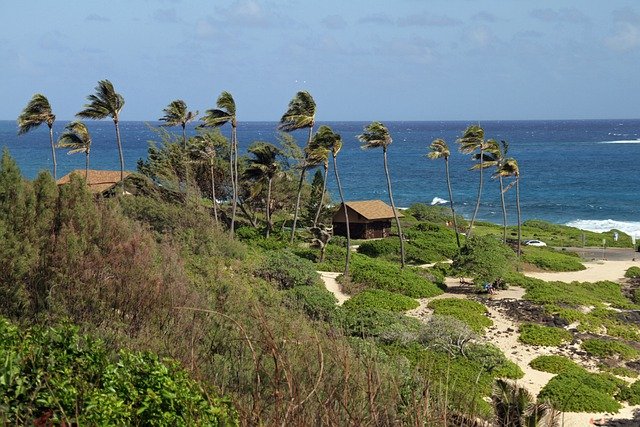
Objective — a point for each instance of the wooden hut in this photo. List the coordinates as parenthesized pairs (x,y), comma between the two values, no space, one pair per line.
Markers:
(99,181)
(368,219)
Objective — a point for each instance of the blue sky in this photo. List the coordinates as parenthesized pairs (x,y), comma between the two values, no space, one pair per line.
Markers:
(360,59)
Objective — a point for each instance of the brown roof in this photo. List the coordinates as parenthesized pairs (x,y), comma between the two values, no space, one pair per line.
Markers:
(98,180)
(373,209)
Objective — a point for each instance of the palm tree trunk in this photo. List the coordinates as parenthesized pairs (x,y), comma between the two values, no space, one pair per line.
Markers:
(186,163)
(115,121)
(504,212)
(475,211)
(453,212)
(213,194)
(295,214)
(234,177)
(324,189)
(346,215)
(86,167)
(519,216)
(393,206)
(184,136)
(53,154)
(268,208)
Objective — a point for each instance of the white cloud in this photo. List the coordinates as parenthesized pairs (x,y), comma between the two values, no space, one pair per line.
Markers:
(626,37)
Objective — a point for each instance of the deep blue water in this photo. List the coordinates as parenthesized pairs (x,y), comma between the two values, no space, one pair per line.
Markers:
(571,170)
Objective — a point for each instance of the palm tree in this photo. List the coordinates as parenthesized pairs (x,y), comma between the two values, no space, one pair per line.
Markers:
(37,112)
(440,150)
(205,148)
(176,114)
(264,167)
(333,142)
(509,168)
(106,102)
(78,140)
(473,139)
(494,155)
(318,154)
(300,114)
(226,112)
(377,135)
(514,406)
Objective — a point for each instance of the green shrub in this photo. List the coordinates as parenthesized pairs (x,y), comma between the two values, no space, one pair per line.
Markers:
(631,394)
(287,270)
(367,322)
(620,371)
(576,294)
(377,274)
(555,364)
(318,303)
(493,360)
(55,370)
(470,312)
(607,348)
(632,272)
(533,334)
(484,258)
(549,259)
(636,296)
(582,392)
(378,298)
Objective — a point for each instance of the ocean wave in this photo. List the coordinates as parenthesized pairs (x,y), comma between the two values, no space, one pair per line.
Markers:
(622,141)
(438,201)
(600,226)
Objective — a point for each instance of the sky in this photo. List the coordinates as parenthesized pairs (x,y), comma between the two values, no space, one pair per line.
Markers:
(360,59)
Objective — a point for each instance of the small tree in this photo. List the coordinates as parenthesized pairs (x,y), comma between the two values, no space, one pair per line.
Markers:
(483,258)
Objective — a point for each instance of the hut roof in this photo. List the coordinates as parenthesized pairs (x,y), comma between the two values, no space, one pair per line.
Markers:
(97,180)
(373,209)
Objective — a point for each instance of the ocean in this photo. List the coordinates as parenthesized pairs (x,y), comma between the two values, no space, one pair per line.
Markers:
(584,173)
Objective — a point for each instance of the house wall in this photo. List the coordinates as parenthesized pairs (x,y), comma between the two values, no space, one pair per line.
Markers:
(370,230)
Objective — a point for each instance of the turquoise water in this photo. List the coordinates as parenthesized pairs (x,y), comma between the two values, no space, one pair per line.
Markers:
(585,170)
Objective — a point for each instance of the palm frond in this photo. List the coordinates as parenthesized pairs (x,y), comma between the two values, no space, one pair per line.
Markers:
(216,118)
(225,102)
(439,149)
(326,138)
(264,164)
(106,102)
(375,135)
(300,113)
(37,112)
(76,137)
(471,140)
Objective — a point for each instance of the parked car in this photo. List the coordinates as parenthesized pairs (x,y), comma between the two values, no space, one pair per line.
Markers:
(535,243)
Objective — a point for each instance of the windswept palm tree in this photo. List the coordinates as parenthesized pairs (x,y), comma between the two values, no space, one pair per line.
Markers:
(264,167)
(301,114)
(226,113)
(106,102)
(37,112)
(78,140)
(494,155)
(319,149)
(509,168)
(471,140)
(177,114)
(377,135)
(333,142)
(440,150)
(206,149)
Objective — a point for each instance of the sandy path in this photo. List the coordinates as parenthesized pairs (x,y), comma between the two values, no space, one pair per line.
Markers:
(329,279)
(596,271)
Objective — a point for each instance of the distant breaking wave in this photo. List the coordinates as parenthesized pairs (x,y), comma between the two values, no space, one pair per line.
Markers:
(601,226)
(627,141)
(438,201)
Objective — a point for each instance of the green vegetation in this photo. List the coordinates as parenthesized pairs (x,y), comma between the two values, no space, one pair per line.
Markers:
(533,334)
(287,270)
(60,377)
(581,391)
(549,259)
(377,298)
(631,394)
(620,371)
(470,312)
(632,272)
(316,302)
(484,258)
(369,322)
(608,348)
(439,215)
(555,364)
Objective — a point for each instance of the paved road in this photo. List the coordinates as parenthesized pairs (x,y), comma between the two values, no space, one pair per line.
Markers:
(612,254)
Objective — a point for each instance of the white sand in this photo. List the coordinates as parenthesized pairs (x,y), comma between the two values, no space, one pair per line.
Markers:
(595,272)
(329,279)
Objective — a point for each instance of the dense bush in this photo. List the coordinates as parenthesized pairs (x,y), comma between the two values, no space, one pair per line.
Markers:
(493,360)
(317,302)
(287,270)
(377,274)
(555,364)
(620,371)
(378,298)
(575,294)
(549,259)
(631,394)
(434,214)
(470,312)
(60,377)
(632,272)
(533,334)
(484,258)
(608,348)
(367,322)
(582,392)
